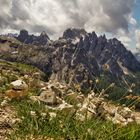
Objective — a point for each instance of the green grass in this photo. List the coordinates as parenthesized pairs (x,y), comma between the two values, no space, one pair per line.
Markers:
(66,126)
(121,88)
(19,67)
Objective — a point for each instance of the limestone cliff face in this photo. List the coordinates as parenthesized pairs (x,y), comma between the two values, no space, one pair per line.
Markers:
(76,57)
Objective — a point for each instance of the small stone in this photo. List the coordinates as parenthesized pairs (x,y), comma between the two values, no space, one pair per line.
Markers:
(37,75)
(97,101)
(130,120)
(108,117)
(80,117)
(80,99)
(57,91)
(92,108)
(65,107)
(83,114)
(91,96)
(125,112)
(26,76)
(17,120)
(116,121)
(34,98)
(59,100)
(119,118)
(110,109)
(19,85)
(48,97)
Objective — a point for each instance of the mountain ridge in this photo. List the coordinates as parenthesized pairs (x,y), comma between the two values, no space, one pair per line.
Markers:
(76,57)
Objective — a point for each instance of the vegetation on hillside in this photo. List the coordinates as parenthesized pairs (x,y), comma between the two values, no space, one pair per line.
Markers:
(36,123)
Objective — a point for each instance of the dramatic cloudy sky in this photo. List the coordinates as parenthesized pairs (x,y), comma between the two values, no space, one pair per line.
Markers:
(119,18)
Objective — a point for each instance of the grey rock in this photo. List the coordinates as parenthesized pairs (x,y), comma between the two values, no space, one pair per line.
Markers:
(24,37)
(72,33)
(19,85)
(48,97)
(75,58)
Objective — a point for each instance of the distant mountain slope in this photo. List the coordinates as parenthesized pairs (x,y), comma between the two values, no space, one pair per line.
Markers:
(76,57)
(137,55)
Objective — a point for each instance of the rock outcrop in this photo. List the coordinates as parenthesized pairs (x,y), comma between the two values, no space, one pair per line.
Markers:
(19,85)
(85,107)
(24,37)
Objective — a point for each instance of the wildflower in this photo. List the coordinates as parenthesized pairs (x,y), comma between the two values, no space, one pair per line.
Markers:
(133,85)
(33,113)
(106,67)
(22,117)
(97,81)
(91,81)
(43,114)
(130,90)
(112,85)
(4,103)
(52,115)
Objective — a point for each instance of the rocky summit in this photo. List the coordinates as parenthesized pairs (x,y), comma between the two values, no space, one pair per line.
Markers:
(24,37)
(75,58)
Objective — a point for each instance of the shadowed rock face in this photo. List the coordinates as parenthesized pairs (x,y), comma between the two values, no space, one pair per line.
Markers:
(76,57)
(73,33)
(24,37)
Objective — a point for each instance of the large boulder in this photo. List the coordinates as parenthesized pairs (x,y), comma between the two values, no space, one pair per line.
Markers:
(12,94)
(19,85)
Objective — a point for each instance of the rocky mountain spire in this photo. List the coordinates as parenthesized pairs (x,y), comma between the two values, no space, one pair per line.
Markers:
(24,37)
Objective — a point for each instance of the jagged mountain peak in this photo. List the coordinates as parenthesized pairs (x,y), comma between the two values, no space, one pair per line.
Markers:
(72,33)
(26,38)
(44,34)
(76,57)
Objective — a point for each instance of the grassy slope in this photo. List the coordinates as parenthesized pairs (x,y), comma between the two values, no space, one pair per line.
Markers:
(64,126)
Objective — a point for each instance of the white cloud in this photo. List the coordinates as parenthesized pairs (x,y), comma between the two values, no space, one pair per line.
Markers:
(126,40)
(124,37)
(137,34)
(54,16)
(133,21)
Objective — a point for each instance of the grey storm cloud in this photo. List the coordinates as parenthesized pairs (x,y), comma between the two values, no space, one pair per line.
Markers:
(54,16)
